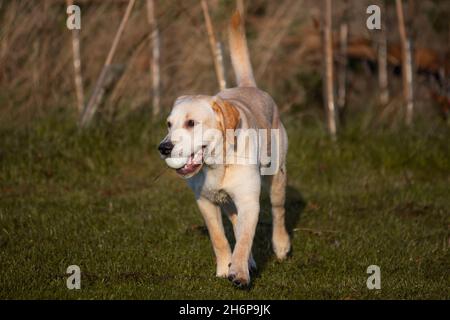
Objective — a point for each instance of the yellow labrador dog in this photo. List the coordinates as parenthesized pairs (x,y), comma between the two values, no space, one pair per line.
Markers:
(206,129)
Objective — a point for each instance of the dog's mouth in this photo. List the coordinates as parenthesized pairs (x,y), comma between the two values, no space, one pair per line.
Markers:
(193,165)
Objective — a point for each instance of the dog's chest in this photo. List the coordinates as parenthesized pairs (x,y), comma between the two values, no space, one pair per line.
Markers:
(216,196)
(208,184)
(212,188)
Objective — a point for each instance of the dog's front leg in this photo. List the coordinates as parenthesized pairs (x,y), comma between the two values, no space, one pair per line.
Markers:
(231,212)
(246,200)
(213,219)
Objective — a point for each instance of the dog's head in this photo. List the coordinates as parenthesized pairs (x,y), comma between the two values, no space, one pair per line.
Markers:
(197,128)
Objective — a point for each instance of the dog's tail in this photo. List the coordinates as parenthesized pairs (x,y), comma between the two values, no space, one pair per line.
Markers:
(240,57)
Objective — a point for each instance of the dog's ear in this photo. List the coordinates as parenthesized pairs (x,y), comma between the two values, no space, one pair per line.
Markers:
(228,115)
(228,118)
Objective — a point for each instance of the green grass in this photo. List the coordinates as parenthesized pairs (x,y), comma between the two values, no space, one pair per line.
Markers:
(96,199)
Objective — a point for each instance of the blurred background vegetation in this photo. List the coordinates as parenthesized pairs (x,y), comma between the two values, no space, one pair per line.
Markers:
(285,40)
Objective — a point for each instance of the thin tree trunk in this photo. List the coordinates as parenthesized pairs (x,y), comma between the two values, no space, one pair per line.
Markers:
(406,64)
(154,65)
(241,8)
(329,83)
(383,81)
(220,62)
(77,66)
(215,47)
(342,74)
(97,94)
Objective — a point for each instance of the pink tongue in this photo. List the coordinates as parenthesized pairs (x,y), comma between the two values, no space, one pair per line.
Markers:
(190,165)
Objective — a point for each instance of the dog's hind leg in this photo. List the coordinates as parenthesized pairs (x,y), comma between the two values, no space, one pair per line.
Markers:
(280,237)
(213,219)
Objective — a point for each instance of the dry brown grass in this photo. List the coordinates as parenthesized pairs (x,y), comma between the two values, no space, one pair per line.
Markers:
(36,72)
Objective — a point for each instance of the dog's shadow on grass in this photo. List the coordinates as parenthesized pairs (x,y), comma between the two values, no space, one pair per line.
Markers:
(262,244)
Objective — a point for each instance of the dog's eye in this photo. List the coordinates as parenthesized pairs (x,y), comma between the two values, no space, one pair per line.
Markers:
(169,124)
(190,123)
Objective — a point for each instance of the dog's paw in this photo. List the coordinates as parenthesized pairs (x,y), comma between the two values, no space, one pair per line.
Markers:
(220,274)
(239,282)
(281,245)
(222,270)
(240,277)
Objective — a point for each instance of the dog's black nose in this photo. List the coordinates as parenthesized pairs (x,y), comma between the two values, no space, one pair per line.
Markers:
(165,148)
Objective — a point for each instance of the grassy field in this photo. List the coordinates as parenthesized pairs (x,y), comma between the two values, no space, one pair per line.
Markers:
(102,199)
